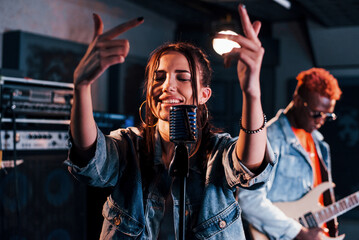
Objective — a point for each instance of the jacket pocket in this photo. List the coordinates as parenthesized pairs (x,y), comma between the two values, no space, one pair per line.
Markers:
(120,220)
(218,223)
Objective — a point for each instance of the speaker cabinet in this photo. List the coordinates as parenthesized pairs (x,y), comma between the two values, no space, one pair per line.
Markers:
(41,57)
(39,199)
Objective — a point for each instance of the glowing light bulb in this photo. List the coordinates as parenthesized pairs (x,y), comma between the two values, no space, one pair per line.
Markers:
(222,46)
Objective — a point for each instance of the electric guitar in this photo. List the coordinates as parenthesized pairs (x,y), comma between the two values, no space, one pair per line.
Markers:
(308,212)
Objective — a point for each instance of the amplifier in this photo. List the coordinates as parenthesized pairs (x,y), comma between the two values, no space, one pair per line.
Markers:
(34,134)
(29,98)
(35,115)
(49,135)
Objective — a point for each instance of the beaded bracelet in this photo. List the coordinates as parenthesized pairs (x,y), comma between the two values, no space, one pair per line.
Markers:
(253,131)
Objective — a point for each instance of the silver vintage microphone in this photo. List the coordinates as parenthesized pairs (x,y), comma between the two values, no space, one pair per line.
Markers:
(183,124)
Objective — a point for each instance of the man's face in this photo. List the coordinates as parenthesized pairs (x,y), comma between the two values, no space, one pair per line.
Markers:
(314,110)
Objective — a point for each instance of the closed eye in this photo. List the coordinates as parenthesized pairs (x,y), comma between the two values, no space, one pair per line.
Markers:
(184,76)
(183,79)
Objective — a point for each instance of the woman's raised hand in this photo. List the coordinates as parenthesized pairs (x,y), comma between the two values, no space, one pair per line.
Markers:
(249,56)
(103,52)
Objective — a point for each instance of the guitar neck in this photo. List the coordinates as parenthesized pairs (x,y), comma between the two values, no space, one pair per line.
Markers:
(336,209)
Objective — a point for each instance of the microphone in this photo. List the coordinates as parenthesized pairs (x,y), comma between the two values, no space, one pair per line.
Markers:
(183,127)
(183,130)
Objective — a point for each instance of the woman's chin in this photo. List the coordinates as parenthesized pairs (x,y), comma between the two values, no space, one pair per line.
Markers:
(164,116)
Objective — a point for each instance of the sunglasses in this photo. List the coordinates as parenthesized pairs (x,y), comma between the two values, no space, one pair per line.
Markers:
(317,114)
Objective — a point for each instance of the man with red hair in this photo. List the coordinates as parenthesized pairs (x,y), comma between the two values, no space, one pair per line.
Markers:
(303,159)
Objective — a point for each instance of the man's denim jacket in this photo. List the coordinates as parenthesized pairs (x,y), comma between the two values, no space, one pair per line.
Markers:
(131,212)
(292,178)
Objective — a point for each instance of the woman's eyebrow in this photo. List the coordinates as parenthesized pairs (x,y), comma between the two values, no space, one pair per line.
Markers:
(182,71)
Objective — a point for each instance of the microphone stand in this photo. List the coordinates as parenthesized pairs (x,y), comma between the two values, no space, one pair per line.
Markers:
(179,169)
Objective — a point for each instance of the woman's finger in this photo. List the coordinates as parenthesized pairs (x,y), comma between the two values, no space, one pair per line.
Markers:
(240,53)
(241,40)
(244,55)
(117,51)
(114,32)
(112,43)
(98,25)
(246,23)
(257,26)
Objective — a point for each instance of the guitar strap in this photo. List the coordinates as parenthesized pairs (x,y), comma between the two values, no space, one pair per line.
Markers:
(329,198)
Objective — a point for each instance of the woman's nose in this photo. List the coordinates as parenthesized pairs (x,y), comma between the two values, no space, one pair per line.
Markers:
(169,84)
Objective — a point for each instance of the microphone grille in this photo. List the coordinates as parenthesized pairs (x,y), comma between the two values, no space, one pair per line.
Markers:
(183,124)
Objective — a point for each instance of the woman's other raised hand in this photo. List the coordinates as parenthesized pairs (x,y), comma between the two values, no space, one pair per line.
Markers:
(249,56)
(103,52)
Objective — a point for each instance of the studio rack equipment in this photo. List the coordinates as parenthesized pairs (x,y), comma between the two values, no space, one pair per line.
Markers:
(38,197)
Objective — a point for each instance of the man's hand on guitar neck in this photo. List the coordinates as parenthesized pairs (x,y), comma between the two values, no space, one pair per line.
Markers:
(311,233)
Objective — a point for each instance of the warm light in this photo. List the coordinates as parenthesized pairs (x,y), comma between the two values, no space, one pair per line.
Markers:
(222,46)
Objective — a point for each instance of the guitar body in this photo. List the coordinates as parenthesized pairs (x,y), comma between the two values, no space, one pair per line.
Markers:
(297,210)
(308,203)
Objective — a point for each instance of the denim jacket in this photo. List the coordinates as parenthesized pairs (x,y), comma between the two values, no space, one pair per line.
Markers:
(134,209)
(292,178)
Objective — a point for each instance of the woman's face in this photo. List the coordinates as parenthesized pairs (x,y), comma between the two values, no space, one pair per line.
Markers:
(172,85)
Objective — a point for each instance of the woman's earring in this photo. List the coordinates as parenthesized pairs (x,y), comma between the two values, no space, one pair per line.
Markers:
(140,112)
